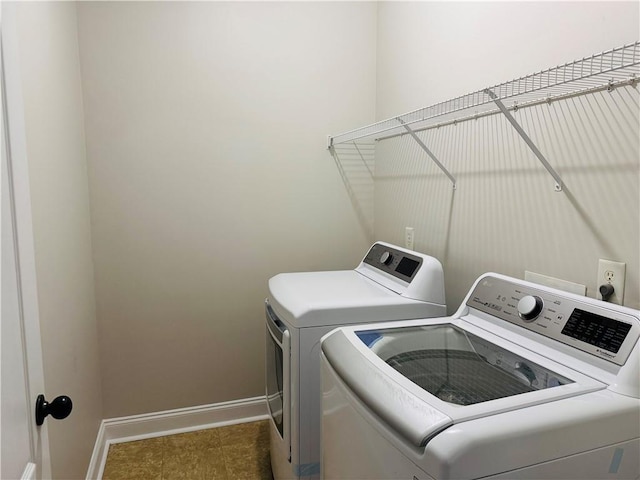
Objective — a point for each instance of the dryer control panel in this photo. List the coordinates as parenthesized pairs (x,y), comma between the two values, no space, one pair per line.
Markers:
(399,263)
(408,273)
(589,325)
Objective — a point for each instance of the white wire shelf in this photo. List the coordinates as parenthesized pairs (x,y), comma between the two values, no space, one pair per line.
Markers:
(603,71)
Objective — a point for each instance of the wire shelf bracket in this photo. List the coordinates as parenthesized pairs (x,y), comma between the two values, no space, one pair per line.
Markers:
(429,152)
(527,139)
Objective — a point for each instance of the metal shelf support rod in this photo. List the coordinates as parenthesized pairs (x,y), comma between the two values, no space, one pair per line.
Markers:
(527,139)
(426,149)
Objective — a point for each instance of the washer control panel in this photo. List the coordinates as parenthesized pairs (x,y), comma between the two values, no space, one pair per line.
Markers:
(399,263)
(600,330)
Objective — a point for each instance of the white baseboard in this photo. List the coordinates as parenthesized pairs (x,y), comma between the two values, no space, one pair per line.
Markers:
(170,422)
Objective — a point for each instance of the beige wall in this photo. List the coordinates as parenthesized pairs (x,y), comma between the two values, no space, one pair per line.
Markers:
(51,87)
(505,215)
(206,130)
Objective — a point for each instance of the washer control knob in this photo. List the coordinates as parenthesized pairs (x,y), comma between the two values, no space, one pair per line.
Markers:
(386,258)
(529,307)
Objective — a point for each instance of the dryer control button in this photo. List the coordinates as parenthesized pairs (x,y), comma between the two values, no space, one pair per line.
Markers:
(386,258)
(529,307)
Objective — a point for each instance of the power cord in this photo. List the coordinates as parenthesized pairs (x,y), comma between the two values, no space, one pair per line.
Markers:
(606,291)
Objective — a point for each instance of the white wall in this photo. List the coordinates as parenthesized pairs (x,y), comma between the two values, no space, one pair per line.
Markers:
(206,129)
(505,215)
(54,125)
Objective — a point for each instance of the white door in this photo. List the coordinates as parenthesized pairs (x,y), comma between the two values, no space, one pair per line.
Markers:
(24,448)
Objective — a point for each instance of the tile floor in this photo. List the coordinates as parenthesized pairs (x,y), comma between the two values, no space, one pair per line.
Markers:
(236,452)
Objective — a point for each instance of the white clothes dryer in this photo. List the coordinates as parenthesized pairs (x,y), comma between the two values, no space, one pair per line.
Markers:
(390,283)
(522,382)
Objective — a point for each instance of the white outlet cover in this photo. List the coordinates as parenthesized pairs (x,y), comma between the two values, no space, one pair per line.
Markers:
(408,237)
(613,273)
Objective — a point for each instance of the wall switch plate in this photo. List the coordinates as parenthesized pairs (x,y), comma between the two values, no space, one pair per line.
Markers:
(613,273)
(408,237)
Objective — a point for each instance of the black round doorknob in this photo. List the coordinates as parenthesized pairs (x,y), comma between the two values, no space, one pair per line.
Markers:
(59,408)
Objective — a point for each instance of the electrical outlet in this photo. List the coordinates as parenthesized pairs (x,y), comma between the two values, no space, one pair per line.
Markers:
(408,237)
(611,273)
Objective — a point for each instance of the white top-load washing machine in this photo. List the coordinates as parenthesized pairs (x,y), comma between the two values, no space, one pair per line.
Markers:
(390,283)
(523,381)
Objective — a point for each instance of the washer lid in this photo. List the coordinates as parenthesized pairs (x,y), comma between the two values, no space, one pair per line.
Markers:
(457,366)
(421,376)
(307,299)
